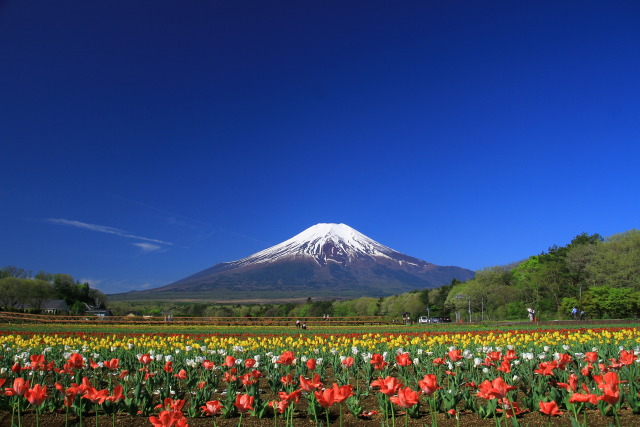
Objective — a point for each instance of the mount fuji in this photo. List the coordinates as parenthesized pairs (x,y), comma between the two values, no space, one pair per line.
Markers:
(325,261)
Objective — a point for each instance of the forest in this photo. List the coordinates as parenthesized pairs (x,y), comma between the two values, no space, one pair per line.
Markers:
(598,276)
(21,290)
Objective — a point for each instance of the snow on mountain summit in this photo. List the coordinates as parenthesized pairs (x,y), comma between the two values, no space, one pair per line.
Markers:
(323,242)
(326,261)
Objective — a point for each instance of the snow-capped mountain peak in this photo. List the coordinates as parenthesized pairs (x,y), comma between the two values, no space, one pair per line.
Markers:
(323,242)
(325,260)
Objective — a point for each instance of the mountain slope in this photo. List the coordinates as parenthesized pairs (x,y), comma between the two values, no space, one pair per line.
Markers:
(323,261)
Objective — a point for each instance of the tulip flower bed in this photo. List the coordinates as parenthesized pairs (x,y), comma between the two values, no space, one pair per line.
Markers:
(521,377)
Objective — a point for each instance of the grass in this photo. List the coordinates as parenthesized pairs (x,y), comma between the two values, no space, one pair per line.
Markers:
(291,330)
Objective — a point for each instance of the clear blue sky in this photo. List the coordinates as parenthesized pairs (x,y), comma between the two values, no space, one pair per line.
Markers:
(143,141)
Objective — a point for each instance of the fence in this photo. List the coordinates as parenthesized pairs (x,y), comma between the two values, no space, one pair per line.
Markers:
(10,317)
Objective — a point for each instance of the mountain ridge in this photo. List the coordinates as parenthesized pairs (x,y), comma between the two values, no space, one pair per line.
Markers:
(325,260)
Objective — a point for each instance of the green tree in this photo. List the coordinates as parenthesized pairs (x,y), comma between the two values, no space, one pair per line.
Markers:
(610,303)
(64,288)
(13,271)
(9,292)
(366,306)
(36,292)
(616,261)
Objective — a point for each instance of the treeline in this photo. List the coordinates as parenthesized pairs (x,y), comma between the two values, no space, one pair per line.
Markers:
(598,276)
(22,290)
(391,307)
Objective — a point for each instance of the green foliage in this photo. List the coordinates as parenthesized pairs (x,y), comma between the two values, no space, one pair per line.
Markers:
(601,276)
(611,303)
(616,262)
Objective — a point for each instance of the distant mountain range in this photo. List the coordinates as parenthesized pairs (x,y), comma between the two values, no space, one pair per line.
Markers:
(325,261)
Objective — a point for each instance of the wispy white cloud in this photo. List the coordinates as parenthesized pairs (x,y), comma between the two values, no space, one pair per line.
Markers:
(94,283)
(104,229)
(147,247)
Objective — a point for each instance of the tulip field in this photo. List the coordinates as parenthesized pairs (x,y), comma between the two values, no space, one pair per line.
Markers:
(375,375)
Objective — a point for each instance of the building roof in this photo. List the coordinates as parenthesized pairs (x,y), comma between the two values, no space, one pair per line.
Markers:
(55,304)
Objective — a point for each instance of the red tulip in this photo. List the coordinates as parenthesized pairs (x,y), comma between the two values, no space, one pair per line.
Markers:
(168,419)
(117,394)
(76,361)
(343,392)
(96,396)
(627,358)
(335,394)
(549,408)
(546,368)
(326,397)
(455,355)
(36,395)
(572,385)
(510,356)
(83,386)
(208,365)
(37,362)
(212,407)
(248,380)
(145,359)
(249,363)
(287,379)
(286,358)
(20,387)
(403,359)
(280,406)
(243,402)
(310,385)
(311,364)
(586,371)
(181,375)
(378,362)
(581,398)
(229,361)
(348,362)
(388,386)
(505,367)
(69,394)
(494,356)
(112,364)
(563,360)
(610,386)
(496,389)
(406,398)
(172,405)
(591,356)
(429,384)
(290,397)
(511,409)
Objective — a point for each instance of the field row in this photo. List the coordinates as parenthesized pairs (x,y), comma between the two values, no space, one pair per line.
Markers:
(325,378)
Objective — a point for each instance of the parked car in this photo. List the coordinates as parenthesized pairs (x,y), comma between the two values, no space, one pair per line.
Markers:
(442,319)
(423,319)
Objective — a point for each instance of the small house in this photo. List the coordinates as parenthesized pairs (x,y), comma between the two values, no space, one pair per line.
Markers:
(55,306)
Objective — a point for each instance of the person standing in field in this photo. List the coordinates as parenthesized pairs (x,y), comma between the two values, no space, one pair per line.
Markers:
(531,314)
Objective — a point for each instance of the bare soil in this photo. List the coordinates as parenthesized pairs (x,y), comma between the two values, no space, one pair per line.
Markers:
(534,419)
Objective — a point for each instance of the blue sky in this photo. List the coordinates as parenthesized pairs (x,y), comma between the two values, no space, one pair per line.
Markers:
(144,141)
